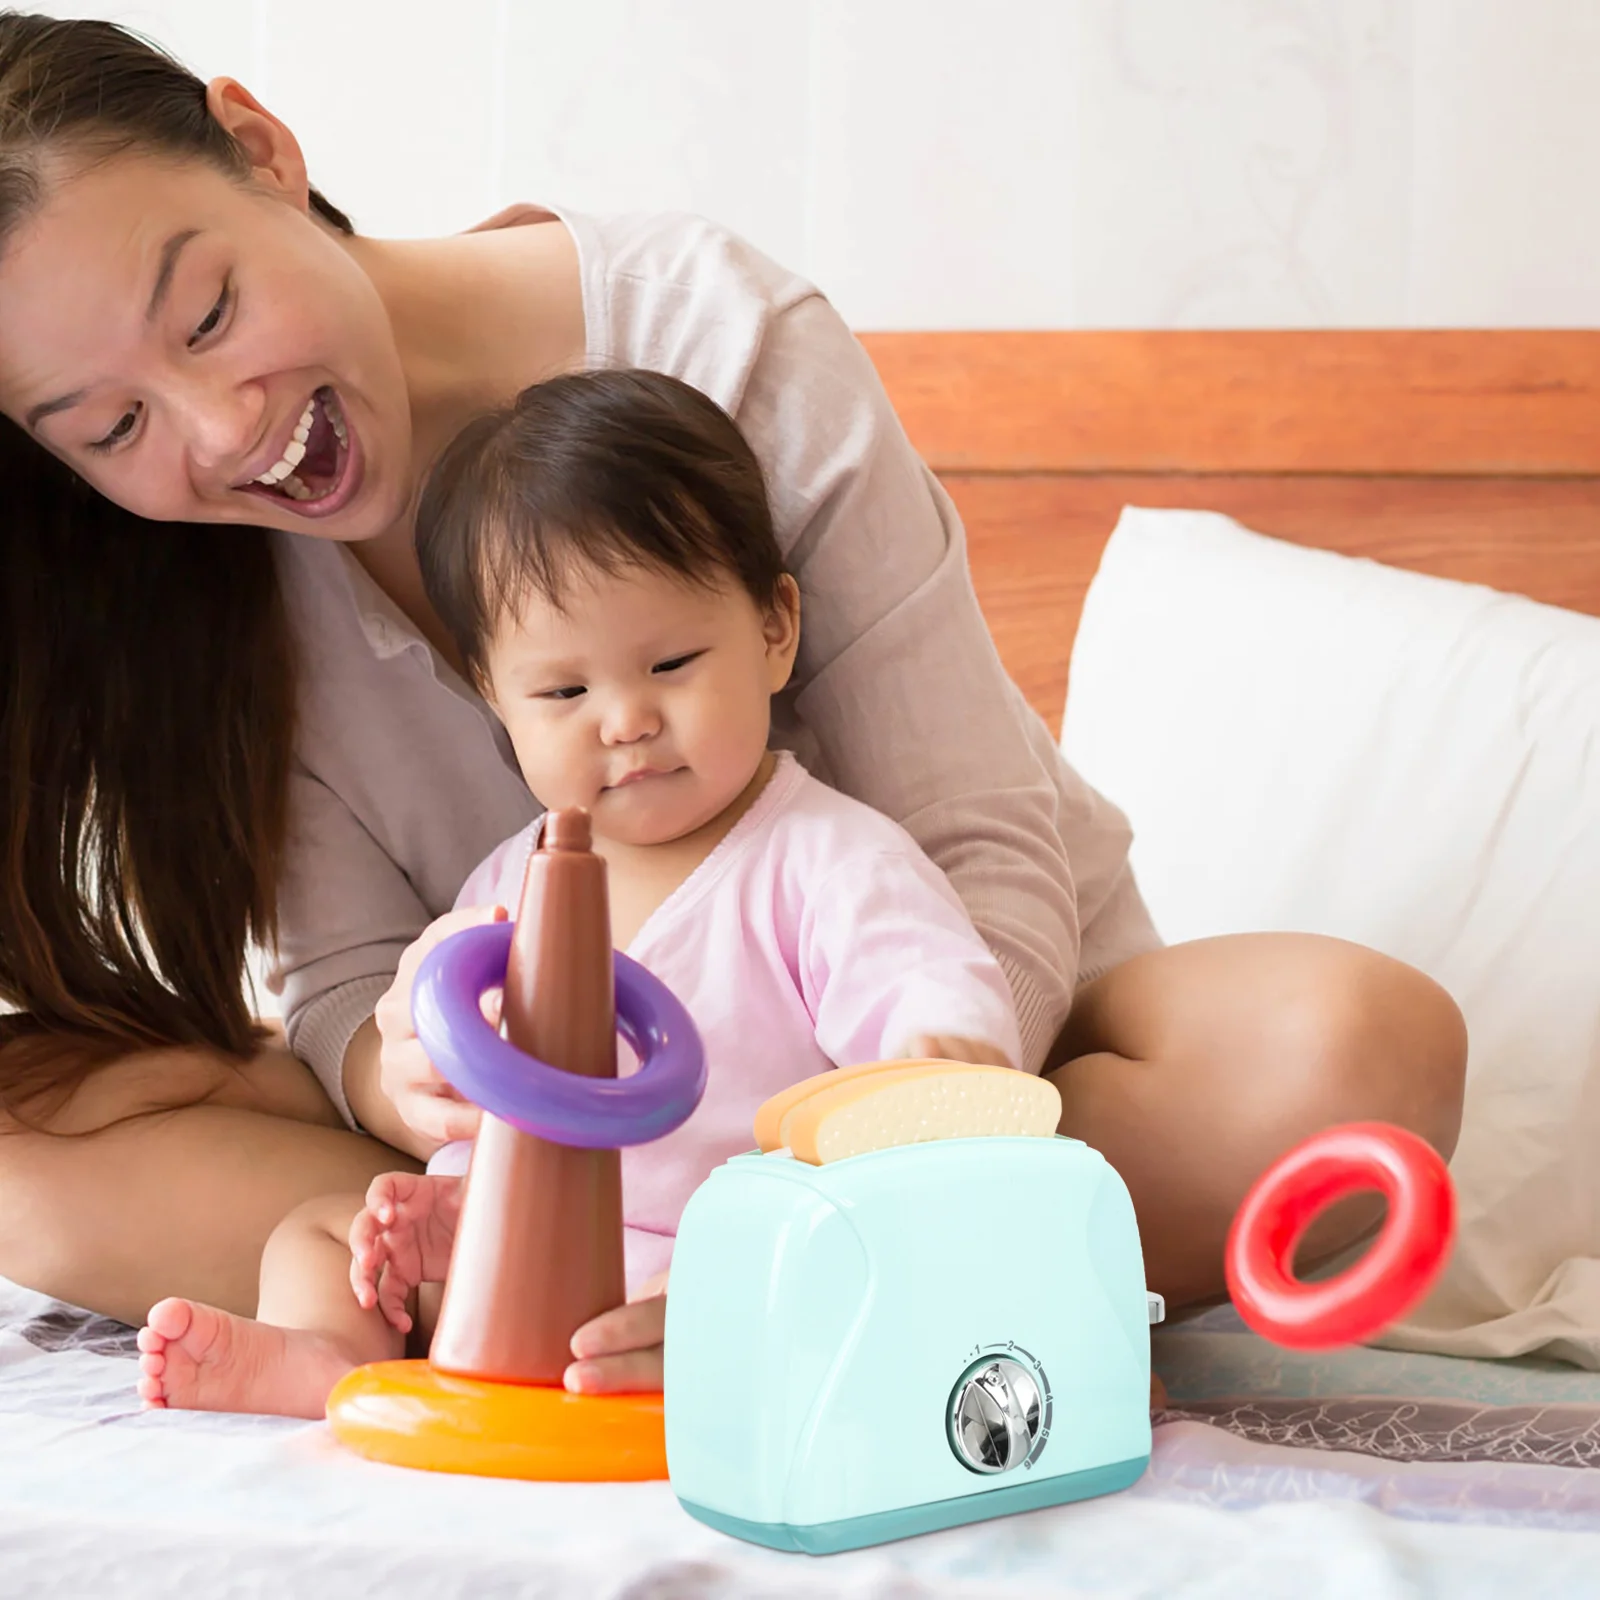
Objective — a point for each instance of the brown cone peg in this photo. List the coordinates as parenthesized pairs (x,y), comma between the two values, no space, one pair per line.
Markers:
(539,1248)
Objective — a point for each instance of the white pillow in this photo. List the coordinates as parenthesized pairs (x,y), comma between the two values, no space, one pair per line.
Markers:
(1305,741)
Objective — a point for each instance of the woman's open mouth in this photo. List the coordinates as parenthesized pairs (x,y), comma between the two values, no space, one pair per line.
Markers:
(317,472)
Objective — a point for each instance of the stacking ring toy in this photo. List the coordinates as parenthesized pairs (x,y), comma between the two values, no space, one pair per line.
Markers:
(562,1107)
(1394,1274)
(408,1413)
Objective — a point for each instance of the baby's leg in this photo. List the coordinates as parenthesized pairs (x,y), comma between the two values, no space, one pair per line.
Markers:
(309,1330)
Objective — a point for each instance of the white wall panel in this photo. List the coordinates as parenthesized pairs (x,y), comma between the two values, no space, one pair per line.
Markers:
(1507,228)
(1243,162)
(393,103)
(941,181)
(1024,163)
(630,104)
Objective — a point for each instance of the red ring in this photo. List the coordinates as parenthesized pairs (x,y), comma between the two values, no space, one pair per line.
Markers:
(1393,1275)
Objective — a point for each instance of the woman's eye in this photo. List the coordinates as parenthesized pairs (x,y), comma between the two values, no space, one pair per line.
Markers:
(126,423)
(675,662)
(213,317)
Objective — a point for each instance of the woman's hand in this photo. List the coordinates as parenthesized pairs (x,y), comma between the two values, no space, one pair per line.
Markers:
(427,1105)
(620,1351)
(950,1047)
(401,1238)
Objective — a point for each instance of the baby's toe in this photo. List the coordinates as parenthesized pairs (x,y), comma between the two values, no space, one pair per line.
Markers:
(170,1318)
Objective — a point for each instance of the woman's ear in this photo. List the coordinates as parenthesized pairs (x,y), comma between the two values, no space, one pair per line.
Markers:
(274,154)
(781,629)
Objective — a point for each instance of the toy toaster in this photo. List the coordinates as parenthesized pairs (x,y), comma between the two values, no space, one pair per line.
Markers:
(906,1339)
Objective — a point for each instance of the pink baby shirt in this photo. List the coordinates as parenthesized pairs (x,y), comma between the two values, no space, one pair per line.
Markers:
(817,934)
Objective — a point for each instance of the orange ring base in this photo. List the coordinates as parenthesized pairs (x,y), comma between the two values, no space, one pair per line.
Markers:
(410,1415)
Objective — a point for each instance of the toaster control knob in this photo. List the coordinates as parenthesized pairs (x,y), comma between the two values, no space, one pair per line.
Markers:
(994,1415)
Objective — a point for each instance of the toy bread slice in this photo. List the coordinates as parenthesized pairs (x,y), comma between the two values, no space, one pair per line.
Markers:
(770,1114)
(940,1100)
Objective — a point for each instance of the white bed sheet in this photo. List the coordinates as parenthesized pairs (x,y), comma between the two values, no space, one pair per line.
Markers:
(97,1497)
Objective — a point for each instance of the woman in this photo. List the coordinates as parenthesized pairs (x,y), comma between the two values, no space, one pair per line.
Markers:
(214,733)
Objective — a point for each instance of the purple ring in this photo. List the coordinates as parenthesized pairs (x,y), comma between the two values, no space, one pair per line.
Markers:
(562,1107)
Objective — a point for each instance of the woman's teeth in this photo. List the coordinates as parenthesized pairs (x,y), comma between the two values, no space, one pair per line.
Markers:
(283,475)
(295,451)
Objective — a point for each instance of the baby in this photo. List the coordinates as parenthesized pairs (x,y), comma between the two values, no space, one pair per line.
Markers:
(603,554)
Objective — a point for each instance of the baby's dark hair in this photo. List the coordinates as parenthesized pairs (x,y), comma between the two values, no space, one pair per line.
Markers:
(608,469)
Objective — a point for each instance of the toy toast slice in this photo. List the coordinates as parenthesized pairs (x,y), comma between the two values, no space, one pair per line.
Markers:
(770,1114)
(910,1102)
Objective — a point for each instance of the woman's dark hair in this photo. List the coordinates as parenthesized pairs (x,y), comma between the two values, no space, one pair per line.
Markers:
(146,669)
(609,469)
(95,90)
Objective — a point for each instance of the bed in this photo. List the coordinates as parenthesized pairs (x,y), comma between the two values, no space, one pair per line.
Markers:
(1470,456)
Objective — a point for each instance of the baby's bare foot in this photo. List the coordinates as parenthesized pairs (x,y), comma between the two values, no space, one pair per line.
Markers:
(197,1358)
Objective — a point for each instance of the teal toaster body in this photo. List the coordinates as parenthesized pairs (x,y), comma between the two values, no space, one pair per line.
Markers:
(905,1340)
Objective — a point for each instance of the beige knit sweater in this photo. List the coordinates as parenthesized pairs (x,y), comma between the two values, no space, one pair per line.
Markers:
(404,780)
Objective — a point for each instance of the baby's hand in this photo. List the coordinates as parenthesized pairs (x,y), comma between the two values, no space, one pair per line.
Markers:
(402,1238)
(949,1047)
(620,1351)
(432,1111)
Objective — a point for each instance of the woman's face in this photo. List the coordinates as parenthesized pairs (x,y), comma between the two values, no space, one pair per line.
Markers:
(200,350)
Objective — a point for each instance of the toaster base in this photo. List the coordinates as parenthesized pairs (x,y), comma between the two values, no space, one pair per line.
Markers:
(852,1533)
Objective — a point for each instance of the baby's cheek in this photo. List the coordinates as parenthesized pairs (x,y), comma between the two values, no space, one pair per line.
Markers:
(560,766)
(732,737)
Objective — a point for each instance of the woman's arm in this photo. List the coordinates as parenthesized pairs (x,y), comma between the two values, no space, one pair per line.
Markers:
(369,1106)
(348,909)
(347,912)
(898,677)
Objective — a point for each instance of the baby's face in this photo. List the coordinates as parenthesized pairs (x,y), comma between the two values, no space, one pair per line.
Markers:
(642,698)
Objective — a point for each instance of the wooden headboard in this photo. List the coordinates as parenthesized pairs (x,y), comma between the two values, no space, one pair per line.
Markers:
(1473,455)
